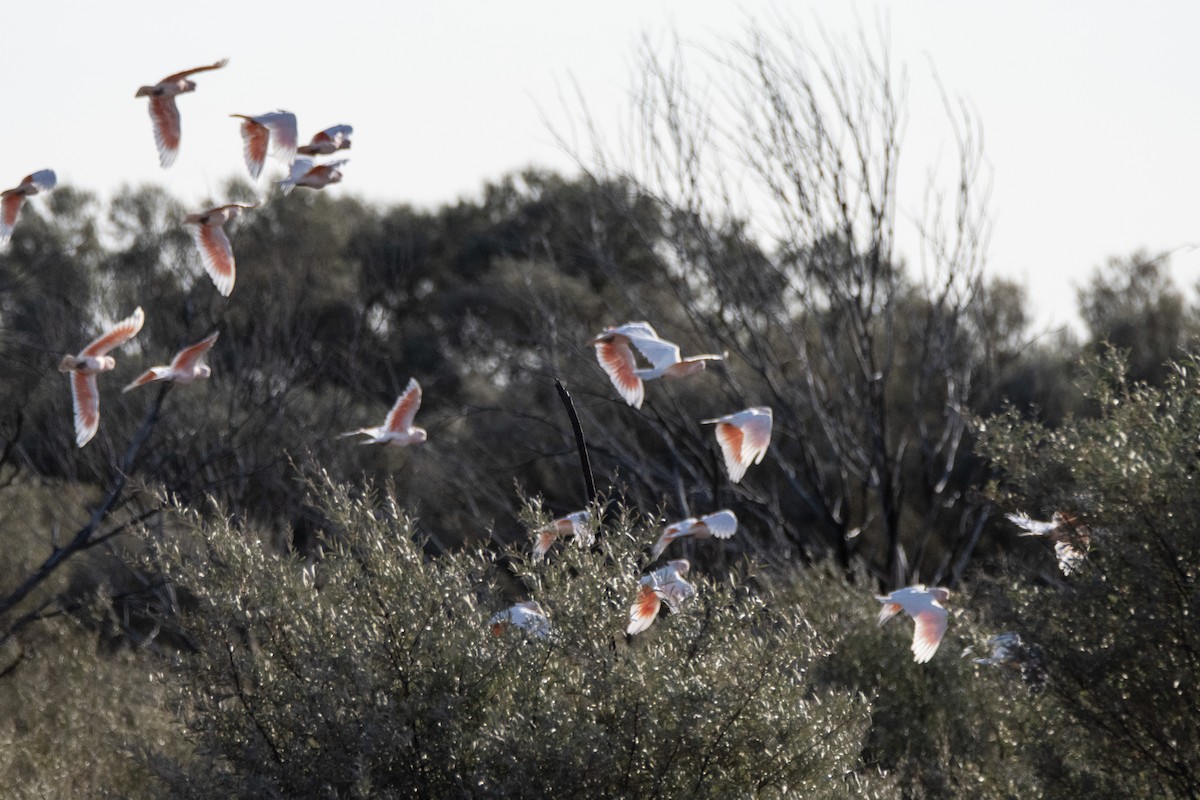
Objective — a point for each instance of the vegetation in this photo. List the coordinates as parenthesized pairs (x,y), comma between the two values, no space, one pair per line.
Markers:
(218,597)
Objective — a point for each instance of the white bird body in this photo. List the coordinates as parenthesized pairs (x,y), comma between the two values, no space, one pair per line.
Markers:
(328,141)
(216,251)
(11,200)
(744,438)
(721,524)
(164,114)
(615,354)
(574,524)
(529,616)
(926,609)
(276,129)
(311,175)
(398,430)
(665,583)
(185,367)
(84,367)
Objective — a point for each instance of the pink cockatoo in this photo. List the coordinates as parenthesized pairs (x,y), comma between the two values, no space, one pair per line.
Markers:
(529,616)
(1070,537)
(744,438)
(328,141)
(721,524)
(165,114)
(398,430)
(84,367)
(185,367)
(11,200)
(276,129)
(664,584)
(926,609)
(614,351)
(311,175)
(216,252)
(574,524)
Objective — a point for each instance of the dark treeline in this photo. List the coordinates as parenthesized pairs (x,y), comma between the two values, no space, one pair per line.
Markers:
(486,302)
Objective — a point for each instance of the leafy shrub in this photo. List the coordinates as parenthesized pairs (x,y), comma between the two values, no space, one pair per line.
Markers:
(1119,638)
(372,672)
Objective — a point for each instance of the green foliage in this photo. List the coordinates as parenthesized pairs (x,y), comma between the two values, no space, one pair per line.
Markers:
(1132,304)
(1119,637)
(77,716)
(372,671)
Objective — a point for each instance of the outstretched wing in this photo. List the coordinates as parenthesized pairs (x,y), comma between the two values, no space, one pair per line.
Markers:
(116,336)
(216,253)
(401,417)
(300,168)
(756,429)
(1030,526)
(644,609)
(149,375)
(721,524)
(282,125)
(335,134)
(931,627)
(10,206)
(617,360)
(178,76)
(164,114)
(730,438)
(658,352)
(255,138)
(86,399)
(43,180)
(186,358)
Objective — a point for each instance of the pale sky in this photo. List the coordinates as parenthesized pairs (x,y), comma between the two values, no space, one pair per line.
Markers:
(1090,111)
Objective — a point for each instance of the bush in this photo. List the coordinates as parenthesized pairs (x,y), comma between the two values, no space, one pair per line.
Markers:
(1119,638)
(372,672)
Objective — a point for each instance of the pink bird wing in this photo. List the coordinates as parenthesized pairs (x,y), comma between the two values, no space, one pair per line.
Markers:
(401,417)
(658,352)
(178,76)
(757,433)
(319,139)
(146,377)
(165,116)
(43,180)
(282,125)
(617,360)
(545,539)
(336,134)
(644,609)
(255,138)
(721,524)
(661,545)
(216,253)
(186,358)
(327,173)
(730,438)
(931,627)
(87,406)
(9,207)
(1030,526)
(116,336)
